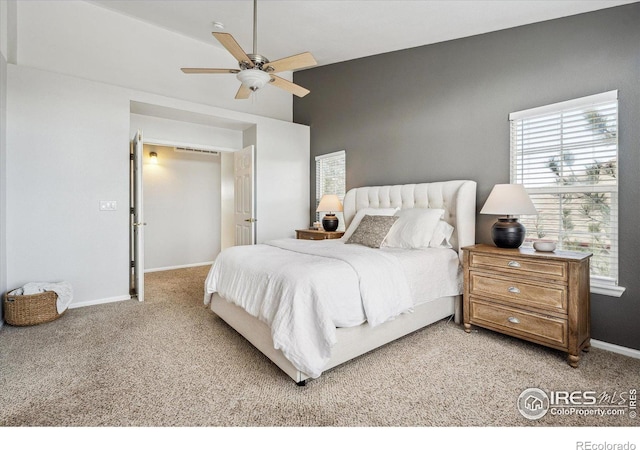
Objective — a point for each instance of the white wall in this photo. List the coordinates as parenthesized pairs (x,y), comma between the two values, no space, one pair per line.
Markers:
(4,37)
(181,208)
(8,29)
(68,148)
(87,41)
(3,178)
(4,27)
(167,131)
(283,164)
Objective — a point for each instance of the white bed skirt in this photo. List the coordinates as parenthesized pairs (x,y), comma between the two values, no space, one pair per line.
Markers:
(351,342)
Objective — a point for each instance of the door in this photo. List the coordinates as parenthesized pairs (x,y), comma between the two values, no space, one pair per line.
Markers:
(137,219)
(244,196)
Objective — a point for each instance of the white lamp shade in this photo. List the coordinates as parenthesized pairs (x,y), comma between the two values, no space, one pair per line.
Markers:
(330,203)
(508,199)
(254,79)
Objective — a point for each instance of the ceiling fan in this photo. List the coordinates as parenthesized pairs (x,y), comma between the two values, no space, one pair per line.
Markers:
(256,70)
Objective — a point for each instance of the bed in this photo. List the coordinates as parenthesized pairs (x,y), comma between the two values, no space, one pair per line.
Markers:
(310,306)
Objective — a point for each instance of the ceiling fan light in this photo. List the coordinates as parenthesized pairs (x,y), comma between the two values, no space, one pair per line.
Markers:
(254,79)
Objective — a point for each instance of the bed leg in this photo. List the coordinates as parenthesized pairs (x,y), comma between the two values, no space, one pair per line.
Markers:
(302,383)
(457,315)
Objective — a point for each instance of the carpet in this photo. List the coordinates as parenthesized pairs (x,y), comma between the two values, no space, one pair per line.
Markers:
(171,362)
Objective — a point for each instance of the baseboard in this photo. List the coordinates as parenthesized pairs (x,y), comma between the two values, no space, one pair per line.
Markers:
(626,351)
(99,301)
(184,266)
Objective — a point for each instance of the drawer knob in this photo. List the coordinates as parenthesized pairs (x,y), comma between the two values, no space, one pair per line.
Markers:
(513,320)
(513,264)
(513,290)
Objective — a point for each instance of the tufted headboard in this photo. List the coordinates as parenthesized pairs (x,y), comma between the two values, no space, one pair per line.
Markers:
(457,198)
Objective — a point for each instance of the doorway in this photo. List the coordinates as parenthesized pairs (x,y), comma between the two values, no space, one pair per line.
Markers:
(177,215)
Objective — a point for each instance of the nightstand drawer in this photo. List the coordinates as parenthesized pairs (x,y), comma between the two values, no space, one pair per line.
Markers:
(312,236)
(536,327)
(547,269)
(517,291)
(318,235)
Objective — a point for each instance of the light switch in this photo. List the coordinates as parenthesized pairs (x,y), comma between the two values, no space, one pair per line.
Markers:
(108,205)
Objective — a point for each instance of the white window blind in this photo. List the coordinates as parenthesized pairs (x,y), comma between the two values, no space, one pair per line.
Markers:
(566,156)
(330,178)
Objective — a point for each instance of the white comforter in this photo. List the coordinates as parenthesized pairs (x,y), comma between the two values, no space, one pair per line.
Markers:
(291,284)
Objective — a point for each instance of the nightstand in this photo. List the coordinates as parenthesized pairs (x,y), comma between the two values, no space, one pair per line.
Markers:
(542,297)
(317,235)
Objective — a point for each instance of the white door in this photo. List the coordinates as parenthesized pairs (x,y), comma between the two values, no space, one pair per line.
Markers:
(137,218)
(243,197)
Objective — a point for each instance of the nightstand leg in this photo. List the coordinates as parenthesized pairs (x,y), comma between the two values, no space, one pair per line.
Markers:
(467,327)
(587,346)
(573,360)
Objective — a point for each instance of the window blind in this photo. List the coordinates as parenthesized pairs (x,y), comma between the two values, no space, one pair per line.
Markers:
(566,156)
(330,178)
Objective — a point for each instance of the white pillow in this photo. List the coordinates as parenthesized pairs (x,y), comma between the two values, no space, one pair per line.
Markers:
(441,235)
(368,212)
(414,228)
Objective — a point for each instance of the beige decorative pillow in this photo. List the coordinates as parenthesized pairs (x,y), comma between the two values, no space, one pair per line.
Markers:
(364,212)
(372,230)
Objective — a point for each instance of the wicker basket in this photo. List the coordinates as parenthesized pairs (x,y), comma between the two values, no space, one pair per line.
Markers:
(22,310)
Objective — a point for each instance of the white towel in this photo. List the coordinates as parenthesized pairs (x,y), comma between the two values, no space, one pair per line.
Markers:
(63,289)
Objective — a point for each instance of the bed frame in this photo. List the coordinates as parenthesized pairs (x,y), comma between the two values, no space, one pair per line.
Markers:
(457,198)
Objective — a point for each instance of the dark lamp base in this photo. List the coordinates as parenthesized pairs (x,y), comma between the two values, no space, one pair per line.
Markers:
(330,222)
(508,233)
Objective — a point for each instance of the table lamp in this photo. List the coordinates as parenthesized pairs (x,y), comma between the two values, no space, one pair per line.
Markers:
(330,203)
(508,200)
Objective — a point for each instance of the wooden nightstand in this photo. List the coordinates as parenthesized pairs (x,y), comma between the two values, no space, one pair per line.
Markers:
(317,235)
(543,297)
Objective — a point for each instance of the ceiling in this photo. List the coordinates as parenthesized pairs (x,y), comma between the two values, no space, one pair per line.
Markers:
(341,30)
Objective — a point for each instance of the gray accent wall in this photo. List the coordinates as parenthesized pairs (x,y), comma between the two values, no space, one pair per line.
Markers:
(440,112)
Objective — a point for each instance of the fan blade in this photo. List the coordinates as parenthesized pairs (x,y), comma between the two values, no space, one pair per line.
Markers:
(291,63)
(243,93)
(202,70)
(288,86)
(233,47)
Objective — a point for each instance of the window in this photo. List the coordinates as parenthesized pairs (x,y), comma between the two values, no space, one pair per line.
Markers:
(566,156)
(330,178)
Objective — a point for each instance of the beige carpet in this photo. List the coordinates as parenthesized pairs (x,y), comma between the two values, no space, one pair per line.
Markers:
(172,362)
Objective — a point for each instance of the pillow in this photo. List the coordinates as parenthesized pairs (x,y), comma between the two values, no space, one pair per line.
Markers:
(372,230)
(441,235)
(414,228)
(366,211)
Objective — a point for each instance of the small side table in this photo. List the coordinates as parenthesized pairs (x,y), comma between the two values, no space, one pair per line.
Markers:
(318,235)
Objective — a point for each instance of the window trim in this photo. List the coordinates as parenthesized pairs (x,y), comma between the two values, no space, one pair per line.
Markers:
(598,285)
(606,287)
(569,104)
